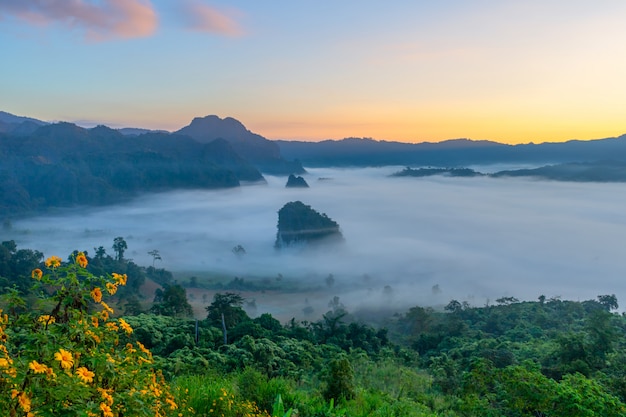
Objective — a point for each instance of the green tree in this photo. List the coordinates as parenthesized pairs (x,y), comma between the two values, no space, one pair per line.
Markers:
(119,246)
(156,256)
(339,380)
(172,301)
(228,304)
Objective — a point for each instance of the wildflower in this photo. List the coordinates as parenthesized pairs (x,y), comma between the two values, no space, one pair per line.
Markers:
(119,278)
(104,315)
(46,319)
(53,262)
(37,367)
(106,410)
(24,402)
(111,288)
(36,273)
(125,326)
(144,350)
(106,395)
(85,374)
(96,294)
(65,357)
(4,363)
(81,260)
(94,321)
(171,403)
(94,336)
(112,326)
(107,308)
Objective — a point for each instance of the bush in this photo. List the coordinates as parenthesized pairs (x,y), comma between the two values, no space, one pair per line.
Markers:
(68,356)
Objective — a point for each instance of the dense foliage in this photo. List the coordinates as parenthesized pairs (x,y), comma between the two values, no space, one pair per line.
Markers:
(62,348)
(50,166)
(299,223)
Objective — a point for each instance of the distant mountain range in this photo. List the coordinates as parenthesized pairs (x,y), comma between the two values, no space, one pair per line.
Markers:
(451,153)
(60,164)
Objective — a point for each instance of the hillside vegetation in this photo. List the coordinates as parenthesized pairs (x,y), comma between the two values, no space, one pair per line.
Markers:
(549,357)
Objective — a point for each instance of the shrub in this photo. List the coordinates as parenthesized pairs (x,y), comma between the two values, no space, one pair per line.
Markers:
(68,356)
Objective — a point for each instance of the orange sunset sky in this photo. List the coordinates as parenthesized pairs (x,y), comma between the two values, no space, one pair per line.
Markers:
(413,71)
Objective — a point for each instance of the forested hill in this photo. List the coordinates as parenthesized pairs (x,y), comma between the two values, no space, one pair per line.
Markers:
(263,153)
(62,164)
(451,153)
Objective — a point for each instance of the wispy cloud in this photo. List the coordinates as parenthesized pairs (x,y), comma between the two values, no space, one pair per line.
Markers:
(99,21)
(200,17)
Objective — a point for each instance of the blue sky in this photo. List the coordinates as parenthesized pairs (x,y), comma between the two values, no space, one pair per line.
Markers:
(402,70)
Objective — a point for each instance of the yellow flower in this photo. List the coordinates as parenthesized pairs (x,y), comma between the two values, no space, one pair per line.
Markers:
(120,279)
(106,410)
(81,260)
(37,273)
(65,357)
(125,326)
(171,403)
(107,308)
(4,363)
(85,374)
(106,396)
(94,336)
(104,315)
(112,326)
(144,350)
(24,402)
(46,319)
(111,288)
(37,367)
(94,321)
(96,294)
(53,262)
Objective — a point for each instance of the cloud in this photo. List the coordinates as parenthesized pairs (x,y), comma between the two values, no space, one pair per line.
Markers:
(99,20)
(202,18)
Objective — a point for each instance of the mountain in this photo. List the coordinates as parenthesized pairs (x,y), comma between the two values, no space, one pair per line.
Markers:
(455,152)
(13,119)
(602,171)
(61,165)
(296,182)
(299,224)
(18,125)
(261,152)
(136,131)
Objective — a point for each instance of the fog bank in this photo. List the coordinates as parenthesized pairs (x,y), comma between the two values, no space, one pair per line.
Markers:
(478,239)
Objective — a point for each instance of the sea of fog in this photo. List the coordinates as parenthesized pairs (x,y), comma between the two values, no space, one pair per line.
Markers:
(473,239)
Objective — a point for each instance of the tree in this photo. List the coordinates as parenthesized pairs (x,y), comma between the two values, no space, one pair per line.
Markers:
(239,251)
(119,246)
(609,302)
(172,301)
(155,256)
(230,305)
(340,380)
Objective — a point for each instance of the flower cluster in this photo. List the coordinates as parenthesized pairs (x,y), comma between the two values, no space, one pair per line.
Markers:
(74,357)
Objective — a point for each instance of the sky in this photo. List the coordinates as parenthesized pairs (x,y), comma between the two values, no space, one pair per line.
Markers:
(403,70)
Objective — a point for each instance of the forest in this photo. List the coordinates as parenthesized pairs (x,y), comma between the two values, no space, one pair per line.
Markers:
(64,350)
